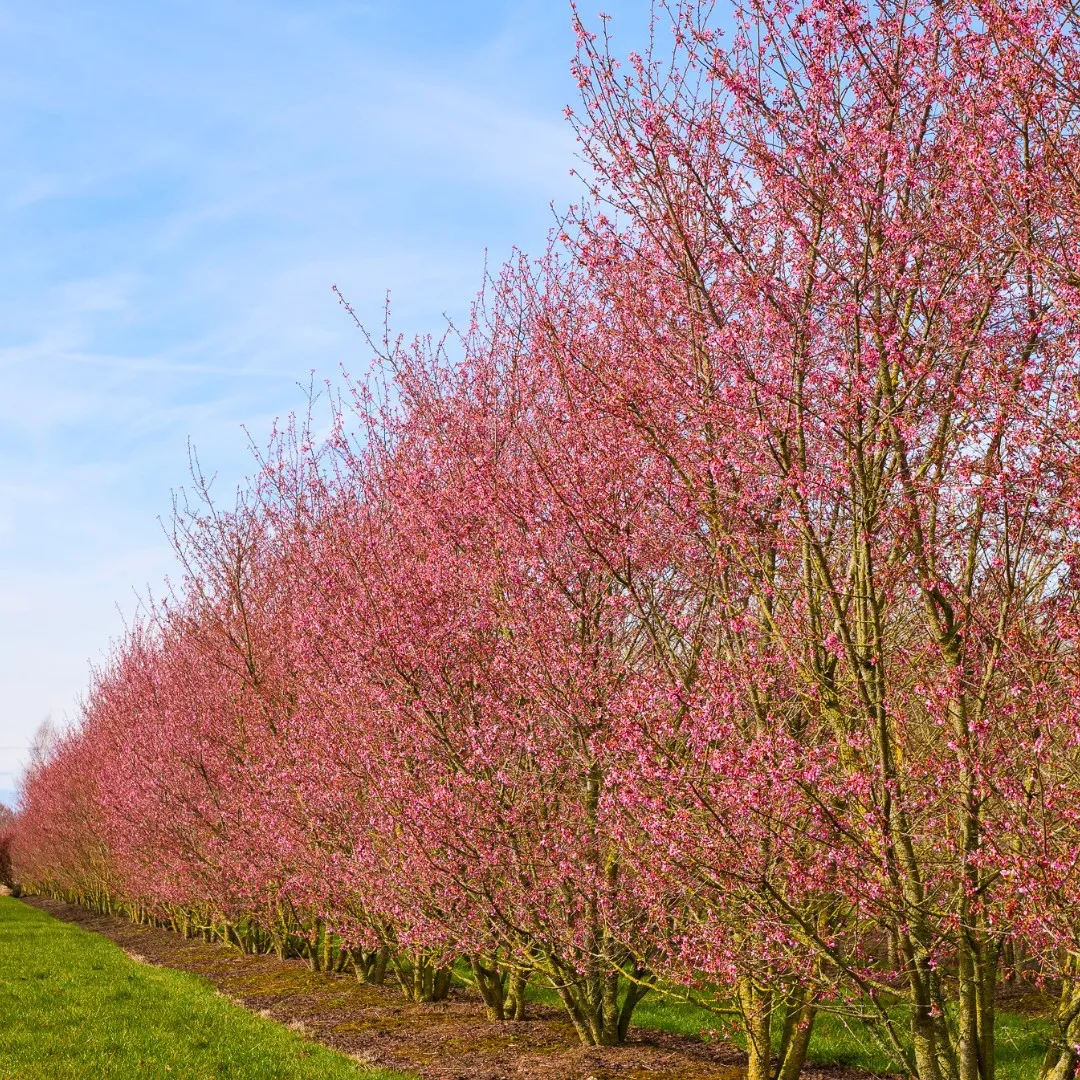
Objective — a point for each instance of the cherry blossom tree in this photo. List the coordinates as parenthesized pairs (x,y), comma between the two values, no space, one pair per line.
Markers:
(7,832)
(867,387)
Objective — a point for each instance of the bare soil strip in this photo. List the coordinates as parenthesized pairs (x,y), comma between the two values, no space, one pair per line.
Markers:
(452,1040)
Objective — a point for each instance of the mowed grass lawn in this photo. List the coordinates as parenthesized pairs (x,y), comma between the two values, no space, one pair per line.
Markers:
(73,1005)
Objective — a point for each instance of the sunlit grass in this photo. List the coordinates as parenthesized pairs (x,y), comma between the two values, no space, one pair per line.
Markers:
(75,1007)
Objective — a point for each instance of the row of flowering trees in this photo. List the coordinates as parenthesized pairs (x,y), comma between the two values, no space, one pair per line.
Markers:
(703,618)
(7,831)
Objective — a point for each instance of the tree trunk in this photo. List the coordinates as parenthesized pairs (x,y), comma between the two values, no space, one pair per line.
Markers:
(635,991)
(515,999)
(755,1005)
(795,1041)
(378,974)
(491,984)
(1063,1056)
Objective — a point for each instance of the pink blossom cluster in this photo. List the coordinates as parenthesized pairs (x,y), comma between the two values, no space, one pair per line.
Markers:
(703,617)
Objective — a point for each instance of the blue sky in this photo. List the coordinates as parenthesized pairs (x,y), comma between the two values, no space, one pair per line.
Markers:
(180,185)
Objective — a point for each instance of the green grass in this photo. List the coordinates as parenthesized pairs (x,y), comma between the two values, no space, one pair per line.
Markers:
(73,1006)
(1021,1041)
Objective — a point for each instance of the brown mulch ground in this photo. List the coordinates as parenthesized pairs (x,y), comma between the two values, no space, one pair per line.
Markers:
(449,1041)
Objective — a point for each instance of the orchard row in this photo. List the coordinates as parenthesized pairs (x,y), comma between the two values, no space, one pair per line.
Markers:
(702,618)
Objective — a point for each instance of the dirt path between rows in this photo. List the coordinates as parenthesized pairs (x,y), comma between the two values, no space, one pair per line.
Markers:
(449,1041)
